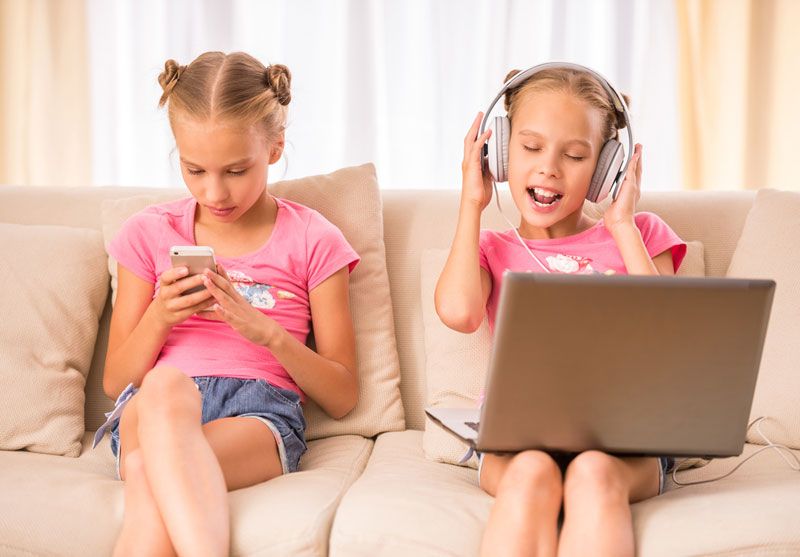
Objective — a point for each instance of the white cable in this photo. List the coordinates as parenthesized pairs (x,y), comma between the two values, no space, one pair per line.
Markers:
(514,228)
(757,423)
(770,445)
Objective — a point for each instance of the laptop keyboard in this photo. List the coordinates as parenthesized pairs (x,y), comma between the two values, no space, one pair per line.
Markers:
(473,425)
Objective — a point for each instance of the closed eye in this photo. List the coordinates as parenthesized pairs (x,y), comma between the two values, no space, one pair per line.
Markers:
(576,158)
(197,172)
(532,149)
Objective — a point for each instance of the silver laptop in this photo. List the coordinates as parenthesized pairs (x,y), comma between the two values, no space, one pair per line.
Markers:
(630,365)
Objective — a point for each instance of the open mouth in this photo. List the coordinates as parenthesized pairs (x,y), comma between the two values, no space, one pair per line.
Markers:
(543,197)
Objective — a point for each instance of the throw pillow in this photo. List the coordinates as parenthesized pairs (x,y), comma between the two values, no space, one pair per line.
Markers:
(54,285)
(768,249)
(350,199)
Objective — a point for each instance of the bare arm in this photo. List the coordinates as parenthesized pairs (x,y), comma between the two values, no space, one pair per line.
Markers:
(620,222)
(329,375)
(464,287)
(140,324)
(634,254)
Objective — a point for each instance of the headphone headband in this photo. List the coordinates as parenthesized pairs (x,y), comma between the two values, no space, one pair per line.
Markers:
(616,98)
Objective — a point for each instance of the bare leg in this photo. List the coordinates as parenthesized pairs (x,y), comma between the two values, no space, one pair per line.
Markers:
(244,449)
(598,491)
(184,474)
(191,467)
(523,520)
(128,433)
(143,532)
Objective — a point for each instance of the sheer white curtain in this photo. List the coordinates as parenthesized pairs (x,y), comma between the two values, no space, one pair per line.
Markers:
(394,83)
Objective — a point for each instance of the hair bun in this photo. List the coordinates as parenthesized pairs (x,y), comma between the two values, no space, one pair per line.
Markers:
(511,74)
(510,93)
(169,78)
(279,79)
(620,116)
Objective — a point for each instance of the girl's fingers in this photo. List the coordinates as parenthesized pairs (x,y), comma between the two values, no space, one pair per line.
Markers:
(214,280)
(633,167)
(176,289)
(172,275)
(187,283)
(203,308)
(215,289)
(187,301)
(473,129)
(222,272)
(222,298)
(221,312)
(639,166)
(477,147)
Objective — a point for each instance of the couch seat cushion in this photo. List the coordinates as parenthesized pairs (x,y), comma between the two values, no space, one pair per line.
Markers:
(754,511)
(73,506)
(404,504)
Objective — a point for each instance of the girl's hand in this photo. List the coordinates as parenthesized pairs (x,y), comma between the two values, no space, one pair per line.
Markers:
(476,184)
(237,312)
(171,305)
(620,212)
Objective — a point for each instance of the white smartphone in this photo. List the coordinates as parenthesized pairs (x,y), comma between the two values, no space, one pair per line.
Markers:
(196,259)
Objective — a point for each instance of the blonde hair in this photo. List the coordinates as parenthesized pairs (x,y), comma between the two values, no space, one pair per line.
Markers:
(232,87)
(581,84)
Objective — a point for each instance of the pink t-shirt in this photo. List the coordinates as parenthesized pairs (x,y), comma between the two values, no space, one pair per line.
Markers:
(590,251)
(303,250)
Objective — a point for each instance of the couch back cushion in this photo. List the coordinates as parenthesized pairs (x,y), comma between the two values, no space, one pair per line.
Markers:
(350,199)
(54,286)
(423,219)
(413,220)
(768,248)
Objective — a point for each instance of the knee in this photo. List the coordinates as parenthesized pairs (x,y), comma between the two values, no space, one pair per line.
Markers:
(167,392)
(532,474)
(132,467)
(597,475)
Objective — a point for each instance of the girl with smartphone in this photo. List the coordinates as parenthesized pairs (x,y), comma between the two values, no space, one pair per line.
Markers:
(210,382)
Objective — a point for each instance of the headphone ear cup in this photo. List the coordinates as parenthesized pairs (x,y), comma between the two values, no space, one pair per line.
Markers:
(497,149)
(607,170)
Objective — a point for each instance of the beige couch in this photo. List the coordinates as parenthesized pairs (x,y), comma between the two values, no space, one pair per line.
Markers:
(380,495)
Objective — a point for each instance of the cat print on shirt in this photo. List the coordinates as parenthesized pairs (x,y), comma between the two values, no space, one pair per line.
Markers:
(573,265)
(257,294)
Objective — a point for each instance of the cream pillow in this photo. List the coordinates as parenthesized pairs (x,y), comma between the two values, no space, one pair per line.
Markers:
(768,248)
(456,363)
(350,199)
(54,285)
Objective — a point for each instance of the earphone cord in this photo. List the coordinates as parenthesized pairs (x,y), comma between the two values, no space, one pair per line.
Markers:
(516,231)
(783,450)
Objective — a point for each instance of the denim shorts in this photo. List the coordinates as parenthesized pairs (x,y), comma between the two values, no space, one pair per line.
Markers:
(225,397)
(665,465)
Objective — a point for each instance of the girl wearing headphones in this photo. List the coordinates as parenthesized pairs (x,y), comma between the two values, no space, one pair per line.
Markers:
(561,149)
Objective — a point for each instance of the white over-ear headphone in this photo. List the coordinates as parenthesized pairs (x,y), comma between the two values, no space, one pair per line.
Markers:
(609,171)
